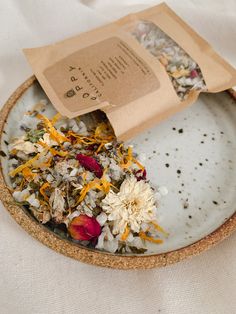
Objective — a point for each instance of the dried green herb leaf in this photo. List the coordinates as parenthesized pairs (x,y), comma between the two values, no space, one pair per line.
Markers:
(2,154)
(34,135)
(121,248)
(96,211)
(34,185)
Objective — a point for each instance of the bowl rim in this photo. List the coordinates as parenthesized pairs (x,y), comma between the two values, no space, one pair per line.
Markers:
(83,254)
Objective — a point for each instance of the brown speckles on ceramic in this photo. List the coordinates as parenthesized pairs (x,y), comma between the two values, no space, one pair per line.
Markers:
(186,208)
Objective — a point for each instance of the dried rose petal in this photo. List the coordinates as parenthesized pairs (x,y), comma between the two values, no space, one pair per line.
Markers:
(72,139)
(193,74)
(84,228)
(92,147)
(141,174)
(90,164)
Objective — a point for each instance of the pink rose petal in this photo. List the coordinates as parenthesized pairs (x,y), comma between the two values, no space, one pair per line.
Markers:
(193,74)
(141,174)
(84,228)
(90,164)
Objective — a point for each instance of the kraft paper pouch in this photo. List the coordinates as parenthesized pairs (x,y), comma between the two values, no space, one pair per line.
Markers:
(138,70)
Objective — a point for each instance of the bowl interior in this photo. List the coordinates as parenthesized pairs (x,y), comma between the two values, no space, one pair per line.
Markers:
(192,154)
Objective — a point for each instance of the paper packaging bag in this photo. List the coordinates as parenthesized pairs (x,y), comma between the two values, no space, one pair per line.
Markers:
(138,70)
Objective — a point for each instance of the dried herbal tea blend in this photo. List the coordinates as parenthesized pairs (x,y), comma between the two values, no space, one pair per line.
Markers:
(184,73)
(76,179)
(139,70)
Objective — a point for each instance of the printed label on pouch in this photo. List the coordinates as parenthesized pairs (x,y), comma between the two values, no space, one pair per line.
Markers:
(106,71)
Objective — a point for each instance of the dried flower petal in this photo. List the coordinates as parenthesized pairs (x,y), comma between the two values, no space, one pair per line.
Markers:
(84,228)
(133,205)
(183,71)
(193,74)
(90,164)
(141,174)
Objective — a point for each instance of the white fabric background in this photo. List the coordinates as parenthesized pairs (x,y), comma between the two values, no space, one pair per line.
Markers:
(35,279)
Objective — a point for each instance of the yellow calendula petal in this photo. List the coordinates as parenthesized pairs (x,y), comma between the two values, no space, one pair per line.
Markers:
(90,140)
(100,184)
(105,186)
(114,187)
(128,160)
(57,152)
(22,184)
(57,117)
(103,131)
(42,202)
(28,174)
(125,234)
(13,151)
(100,129)
(159,228)
(149,239)
(42,190)
(83,193)
(52,150)
(43,144)
(76,135)
(130,152)
(138,164)
(119,150)
(125,164)
(21,167)
(100,147)
(55,135)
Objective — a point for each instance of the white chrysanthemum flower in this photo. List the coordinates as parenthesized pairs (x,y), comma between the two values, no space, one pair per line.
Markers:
(133,205)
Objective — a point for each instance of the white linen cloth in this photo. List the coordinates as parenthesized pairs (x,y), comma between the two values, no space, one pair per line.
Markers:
(37,280)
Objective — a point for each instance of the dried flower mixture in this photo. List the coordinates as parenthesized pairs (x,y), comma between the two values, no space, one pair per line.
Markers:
(183,71)
(84,185)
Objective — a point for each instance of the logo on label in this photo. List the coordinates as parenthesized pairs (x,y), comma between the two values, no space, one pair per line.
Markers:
(70,93)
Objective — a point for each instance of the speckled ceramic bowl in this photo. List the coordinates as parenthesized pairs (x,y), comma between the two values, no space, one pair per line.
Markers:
(193,154)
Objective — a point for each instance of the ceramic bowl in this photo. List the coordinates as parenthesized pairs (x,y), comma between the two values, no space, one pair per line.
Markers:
(193,154)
